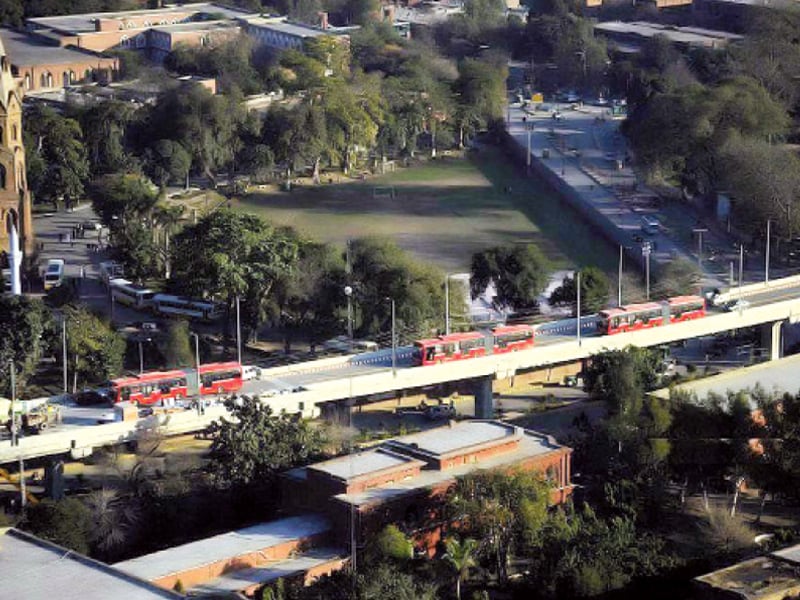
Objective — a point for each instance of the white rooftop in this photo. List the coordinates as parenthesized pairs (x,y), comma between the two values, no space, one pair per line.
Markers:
(224,546)
(242,579)
(33,569)
(693,36)
(362,463)
(790,554)
(458,436)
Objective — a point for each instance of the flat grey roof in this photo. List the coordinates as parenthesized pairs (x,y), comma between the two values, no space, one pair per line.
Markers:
(363,463)
(245,578)
(85,23)
(223,546)
(25,50)
(790,554)
(685,35)
(295,29)
(196,26)
(531,444)
(777,376)
(459,436)
(34,569)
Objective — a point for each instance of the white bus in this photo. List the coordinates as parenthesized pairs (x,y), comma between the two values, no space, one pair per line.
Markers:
(166,304)
(125,292)
(54,275)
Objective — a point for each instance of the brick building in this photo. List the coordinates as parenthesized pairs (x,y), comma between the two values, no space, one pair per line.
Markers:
(15,200)
(400,481)
(404,480)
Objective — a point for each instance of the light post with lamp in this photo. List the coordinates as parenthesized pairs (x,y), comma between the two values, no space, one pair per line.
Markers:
(766,253)
(197,365)
(16,425)
(447,302)
(348,291)
(647,248)
(141,353)
(394,338)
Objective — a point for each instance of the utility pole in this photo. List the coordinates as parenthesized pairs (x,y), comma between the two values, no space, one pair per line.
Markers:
(766,263)
(64,351)
(394,342)
(619,279)
(197,366)
(447,304)
(741,268)
(578,291)
(16,425)
(238,332)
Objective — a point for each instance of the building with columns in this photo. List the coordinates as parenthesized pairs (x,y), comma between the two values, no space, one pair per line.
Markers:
(15,200)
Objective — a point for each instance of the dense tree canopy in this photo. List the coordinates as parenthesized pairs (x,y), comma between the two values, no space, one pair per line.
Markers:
(94,350)
(519,273)
(255,444)
(25,330)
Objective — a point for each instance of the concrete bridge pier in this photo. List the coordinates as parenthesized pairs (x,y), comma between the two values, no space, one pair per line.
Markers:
(484,398)
(772,339)
(54,479)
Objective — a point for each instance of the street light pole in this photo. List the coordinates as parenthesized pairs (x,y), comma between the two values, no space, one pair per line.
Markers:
(64,350)
(348,291)
(197,365)
(528,156)
(447,304)
(238,332)
(741,268)
(141,358)
(578,291)
(619,279)
(15,431)
(766,263)
(394,342)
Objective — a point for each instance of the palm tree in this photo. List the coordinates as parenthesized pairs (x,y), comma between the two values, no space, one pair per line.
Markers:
(462,556)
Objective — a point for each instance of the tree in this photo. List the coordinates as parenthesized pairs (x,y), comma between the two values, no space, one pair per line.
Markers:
(594,291)
(227,254)
(255,444)
(519,273)
(66,522)
(104,127)
(676,278)
(621,378)
(382,272)
(461,555)
(391,544)
(765,180)
(25,328)
(178,347)
(123,197)
(482,93)
(167,161)
(56,156)
(95,351)
(504,511)
(113,520)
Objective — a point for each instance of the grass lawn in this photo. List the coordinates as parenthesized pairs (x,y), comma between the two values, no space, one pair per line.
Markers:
(442,211)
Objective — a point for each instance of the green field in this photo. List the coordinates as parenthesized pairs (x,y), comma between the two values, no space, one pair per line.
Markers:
(442,211)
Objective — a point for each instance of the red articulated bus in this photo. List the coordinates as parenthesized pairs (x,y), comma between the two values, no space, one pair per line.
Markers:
(220,378)
(651,314)
(149,388)
(460,346)
(159,386)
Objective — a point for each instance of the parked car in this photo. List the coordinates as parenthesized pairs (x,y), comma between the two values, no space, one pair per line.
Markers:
(90,397)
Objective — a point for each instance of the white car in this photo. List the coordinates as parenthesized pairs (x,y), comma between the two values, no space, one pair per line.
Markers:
(740,304)
(251,372)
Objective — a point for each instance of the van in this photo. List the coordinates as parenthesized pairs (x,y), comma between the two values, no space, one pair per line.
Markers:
(54,275)
(650,225)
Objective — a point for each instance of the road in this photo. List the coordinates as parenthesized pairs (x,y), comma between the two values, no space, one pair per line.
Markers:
(588,154)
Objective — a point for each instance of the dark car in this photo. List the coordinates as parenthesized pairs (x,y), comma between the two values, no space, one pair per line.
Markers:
(90,397)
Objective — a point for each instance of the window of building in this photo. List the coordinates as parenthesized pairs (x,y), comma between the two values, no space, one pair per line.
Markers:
(14,132)
(124,41)
(27,81)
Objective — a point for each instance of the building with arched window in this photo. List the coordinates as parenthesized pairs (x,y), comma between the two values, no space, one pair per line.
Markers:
(15,201)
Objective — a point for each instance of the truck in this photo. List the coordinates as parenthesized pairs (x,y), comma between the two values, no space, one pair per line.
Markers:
(32,421)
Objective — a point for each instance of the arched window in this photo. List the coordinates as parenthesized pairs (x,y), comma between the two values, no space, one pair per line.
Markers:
(27,81)
(87,75)
(43,80)
(14,132)
(49,80)
(65,78)
(124,41)
(3,176)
